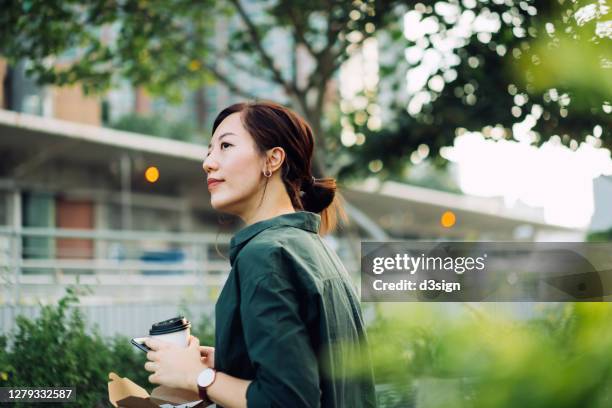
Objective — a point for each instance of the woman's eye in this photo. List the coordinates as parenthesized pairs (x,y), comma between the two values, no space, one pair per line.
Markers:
(224,144)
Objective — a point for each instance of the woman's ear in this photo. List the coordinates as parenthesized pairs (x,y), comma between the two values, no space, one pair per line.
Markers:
(275,158)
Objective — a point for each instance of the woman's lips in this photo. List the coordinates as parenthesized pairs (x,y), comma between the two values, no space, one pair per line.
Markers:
(213,183)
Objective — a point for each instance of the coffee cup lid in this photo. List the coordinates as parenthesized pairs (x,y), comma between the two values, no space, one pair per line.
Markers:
(170,326)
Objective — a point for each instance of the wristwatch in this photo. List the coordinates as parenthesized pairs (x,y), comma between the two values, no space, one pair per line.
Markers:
(205,379)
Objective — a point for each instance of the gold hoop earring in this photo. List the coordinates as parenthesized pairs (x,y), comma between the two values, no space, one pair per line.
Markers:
(267,173)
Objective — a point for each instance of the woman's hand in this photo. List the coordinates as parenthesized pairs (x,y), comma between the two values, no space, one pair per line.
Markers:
(175,366)
(208,355)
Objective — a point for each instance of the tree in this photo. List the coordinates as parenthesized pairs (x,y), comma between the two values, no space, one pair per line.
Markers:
(496,75)
(167,45)
(485,66)
(96,42)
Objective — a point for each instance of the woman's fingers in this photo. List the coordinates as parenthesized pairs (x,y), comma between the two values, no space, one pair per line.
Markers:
(206,350)
(155,344)
(207,354)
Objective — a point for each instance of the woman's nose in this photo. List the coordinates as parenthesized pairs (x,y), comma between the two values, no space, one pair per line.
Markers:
(209,165)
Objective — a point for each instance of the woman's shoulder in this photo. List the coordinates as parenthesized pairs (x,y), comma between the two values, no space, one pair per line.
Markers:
(279,239)
(275,250)
(264,248)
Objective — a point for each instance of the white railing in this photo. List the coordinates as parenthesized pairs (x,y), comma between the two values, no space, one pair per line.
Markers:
(136,266)
(135,277)
(37,264)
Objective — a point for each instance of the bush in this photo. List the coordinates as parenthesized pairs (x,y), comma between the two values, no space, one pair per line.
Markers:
(55,350)
(600,236)
(5,368)
(561,358)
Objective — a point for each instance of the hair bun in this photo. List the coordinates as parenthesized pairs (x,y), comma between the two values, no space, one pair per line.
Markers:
(318,194)
(308,183)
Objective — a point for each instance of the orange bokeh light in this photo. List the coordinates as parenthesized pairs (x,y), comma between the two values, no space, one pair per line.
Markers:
(152,174)
(448,219)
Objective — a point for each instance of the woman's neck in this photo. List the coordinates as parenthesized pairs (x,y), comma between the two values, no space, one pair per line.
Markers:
(264,215)
(276,202)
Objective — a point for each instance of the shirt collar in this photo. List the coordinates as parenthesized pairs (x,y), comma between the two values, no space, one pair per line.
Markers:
(305,220)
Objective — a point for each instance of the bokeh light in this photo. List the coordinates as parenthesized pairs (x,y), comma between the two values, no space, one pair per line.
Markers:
(152,174)
(448,219)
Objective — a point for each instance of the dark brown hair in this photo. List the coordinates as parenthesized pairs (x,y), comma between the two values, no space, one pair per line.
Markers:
(273,125)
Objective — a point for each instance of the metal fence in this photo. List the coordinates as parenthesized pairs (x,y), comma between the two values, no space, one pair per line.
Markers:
(37,264)
(134,277)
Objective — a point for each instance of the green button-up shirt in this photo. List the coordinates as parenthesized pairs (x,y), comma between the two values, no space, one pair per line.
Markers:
(288,318)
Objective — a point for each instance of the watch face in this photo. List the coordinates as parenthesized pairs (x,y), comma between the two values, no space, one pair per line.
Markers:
(206,377)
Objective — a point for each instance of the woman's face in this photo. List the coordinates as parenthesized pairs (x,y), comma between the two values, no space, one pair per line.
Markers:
(233,160)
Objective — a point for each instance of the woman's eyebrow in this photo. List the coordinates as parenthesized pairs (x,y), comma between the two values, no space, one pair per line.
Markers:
(221,137)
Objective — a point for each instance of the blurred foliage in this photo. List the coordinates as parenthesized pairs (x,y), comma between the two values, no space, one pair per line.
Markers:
(156,125)
(561,358)
(600,236)
(573,51)
(506,68)
(57,349)
(424,355)
(153,43)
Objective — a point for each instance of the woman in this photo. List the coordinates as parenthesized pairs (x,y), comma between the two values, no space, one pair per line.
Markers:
(287,320)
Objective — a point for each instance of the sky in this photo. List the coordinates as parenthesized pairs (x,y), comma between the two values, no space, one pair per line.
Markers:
(553,177)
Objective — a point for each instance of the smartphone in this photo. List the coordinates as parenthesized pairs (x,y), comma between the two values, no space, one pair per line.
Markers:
(139,343)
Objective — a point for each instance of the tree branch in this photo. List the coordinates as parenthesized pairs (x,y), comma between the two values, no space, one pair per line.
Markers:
(294,70)
(259,46)
(334,28)
(253,71)
(230,85)
(298,32)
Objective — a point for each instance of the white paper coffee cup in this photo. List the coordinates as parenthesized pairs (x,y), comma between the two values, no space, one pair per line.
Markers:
(176,330)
